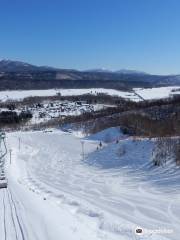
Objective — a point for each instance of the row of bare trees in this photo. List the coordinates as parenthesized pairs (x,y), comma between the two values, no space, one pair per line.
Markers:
(166,150)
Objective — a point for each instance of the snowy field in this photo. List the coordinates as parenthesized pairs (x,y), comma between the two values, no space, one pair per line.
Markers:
(57,192)
(17,95)
(157,93)
(148,93)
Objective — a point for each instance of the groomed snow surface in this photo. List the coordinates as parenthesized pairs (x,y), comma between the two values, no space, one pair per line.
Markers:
(136,95)
(57,192)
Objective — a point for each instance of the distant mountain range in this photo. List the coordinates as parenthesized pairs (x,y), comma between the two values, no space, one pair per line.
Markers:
(20,75)
(122,71)
(17,66)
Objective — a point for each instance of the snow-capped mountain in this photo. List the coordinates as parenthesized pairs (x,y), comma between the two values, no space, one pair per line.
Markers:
(129,71)
(121,71)
(99,70)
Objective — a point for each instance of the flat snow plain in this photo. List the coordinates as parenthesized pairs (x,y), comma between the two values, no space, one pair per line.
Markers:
(16,95)
(157,93)
(56,193)
(148,93)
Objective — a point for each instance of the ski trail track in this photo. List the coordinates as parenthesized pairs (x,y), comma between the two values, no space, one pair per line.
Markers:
(114,201)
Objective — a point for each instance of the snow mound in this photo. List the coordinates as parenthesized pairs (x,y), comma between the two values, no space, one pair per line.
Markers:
(108,135)
(125,154)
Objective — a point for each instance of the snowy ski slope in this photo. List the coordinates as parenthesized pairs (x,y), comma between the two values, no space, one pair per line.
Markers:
(56,194)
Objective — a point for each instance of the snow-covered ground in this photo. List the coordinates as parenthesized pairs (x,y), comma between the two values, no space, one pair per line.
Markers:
(57,192)
(146,93)
(157,93)
(17,94)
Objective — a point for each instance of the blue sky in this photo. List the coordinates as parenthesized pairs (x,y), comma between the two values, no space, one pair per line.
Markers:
(86,34)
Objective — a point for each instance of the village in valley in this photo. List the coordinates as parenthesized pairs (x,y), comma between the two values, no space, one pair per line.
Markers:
(48,109)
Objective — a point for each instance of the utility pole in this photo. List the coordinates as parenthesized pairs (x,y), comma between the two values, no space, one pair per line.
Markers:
(10,154)
(2,140)
(83,154)
(19,143)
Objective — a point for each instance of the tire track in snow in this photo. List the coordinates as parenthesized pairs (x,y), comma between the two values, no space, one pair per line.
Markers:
(12,215)
(11,223)
(4,217)
(13,205)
